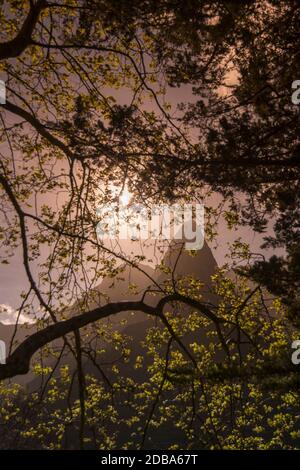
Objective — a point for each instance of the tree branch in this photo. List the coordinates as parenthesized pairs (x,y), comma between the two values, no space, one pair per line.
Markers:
(18,362)
(16,46)
(13,108)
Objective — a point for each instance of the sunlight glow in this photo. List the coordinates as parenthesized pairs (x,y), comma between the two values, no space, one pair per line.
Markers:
(125,197)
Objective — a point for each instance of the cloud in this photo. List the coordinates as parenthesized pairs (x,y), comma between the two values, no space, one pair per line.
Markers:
(9,316)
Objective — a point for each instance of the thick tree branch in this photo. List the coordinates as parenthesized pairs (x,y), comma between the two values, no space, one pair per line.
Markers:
(16,46)
(18,362)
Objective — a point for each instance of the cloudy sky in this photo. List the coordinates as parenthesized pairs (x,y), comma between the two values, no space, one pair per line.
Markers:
(9,316)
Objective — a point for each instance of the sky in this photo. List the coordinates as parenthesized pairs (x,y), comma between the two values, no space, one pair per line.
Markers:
(12,276)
